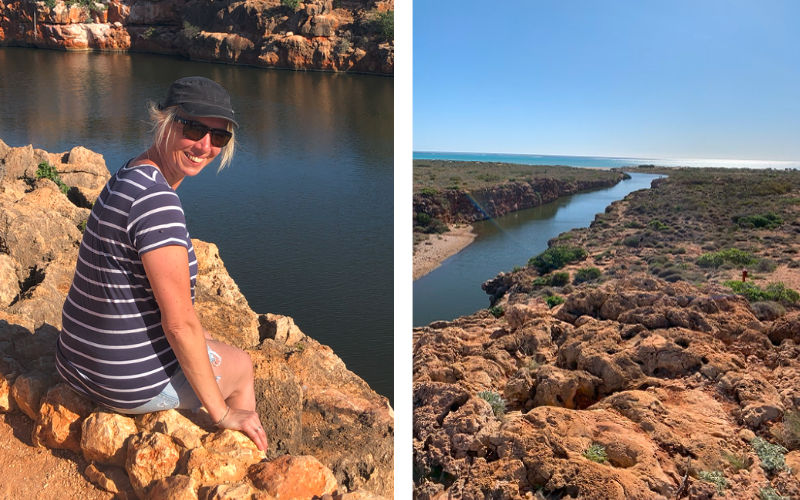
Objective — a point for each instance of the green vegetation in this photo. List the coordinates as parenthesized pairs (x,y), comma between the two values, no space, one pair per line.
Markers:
(769,220)
(731,255)
(47,171)
(51,4)
(496,401)
(769,493)
(553,300)
(82,226)
(190,31)
(774,292)
(658,225)
(556,257)
(384,24)
(772,456)
(424,223)
(585,274)
(473,175)
(596,453)
(553,279)
(149,32)
(716,478)
(292,4)
(496,311)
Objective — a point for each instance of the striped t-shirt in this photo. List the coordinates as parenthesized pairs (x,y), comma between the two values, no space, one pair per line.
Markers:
(111,346)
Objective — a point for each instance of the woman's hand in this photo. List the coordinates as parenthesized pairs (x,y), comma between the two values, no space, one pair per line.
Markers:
(247,422)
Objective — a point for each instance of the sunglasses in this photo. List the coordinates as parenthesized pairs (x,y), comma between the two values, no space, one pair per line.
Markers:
(194,131)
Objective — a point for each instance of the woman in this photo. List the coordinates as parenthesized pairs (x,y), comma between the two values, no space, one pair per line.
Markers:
(131,340)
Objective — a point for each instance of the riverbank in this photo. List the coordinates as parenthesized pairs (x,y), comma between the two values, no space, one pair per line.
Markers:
(629,359)
(356,36)
(430,253)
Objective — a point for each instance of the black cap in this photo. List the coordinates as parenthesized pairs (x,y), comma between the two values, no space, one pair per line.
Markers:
(199,96)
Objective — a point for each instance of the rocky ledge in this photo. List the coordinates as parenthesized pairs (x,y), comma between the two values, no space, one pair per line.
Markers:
(328,35)
(329,433)
(640,367)
(454,206)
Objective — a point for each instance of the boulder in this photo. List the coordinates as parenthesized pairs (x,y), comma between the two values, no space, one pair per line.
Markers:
(105,436)
(293,477)
(60,415)
(150,456)
(181,429)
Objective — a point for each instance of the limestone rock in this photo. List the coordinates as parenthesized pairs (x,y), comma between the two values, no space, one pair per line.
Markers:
(209,468)
(150,456)
(7,402)
(234,445)
(221,307)
(181,429)
(232,491)
(279,328)
(111,479)
(27,391)
(104,437)
(9,282)
(293,477)
(60,416)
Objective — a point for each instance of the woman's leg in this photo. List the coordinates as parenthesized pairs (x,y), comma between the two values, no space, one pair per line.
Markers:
(235,371)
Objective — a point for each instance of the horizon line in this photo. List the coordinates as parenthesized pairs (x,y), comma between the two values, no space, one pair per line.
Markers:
(619,157)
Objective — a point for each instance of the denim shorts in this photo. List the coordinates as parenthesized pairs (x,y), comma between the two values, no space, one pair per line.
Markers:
(178,393)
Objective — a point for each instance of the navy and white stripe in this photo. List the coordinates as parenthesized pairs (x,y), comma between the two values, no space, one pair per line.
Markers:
(112,346)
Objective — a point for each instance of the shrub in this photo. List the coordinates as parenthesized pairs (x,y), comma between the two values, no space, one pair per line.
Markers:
(716,478)
(47,171)
(189,30)
(495,400)
(51,4)
(738,462)
(292,4)
(149,32)
(767,310)
(429,191)
(731,255)
(632,241)
(559,279)
(658,225)
(775,292)
(791,429)
(385,25)
(769,493)
(768,220)
(586,274)
(596,453)
(553,300)
(556,257)
(424,223)
(771,455)
(496,311)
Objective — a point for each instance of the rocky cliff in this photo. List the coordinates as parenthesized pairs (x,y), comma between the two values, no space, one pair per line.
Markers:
(641,369)
(329,432)
(329,35)
(453,206)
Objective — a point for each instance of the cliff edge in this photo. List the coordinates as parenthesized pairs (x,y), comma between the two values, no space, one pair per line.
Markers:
(329,433)
(328,35)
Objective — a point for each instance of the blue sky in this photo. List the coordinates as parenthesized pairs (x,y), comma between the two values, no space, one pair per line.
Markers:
(644,78)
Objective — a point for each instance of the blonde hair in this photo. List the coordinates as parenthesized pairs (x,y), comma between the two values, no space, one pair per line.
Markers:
(161,119)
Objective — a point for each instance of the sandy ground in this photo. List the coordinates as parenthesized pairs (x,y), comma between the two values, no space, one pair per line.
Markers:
(429,254)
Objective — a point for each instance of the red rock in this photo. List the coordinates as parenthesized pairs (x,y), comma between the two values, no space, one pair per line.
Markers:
(60,416)
(173,488)
(208,468)
(27,391)
(293,477)
(172,423)
(104,437)
(151,456)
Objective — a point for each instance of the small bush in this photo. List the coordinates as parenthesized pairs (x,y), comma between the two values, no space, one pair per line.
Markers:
(292,4)
(596,453)
(768,220)
(716,478)
(385,25)
(767,310)
(51,4)
(424,223)
(586,274)
(791,429)
(556,257)
(771,455)
(775,292)
(190,31)
(149,32)
(342,47)
(429,191)
(47,171)
(731,255)
(496,311)
(632,241)
(738,462)
(658,225)
(495,400)
(553,300)
(769,493)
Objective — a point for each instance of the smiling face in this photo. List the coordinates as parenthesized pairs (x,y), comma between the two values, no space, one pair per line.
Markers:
(184,157)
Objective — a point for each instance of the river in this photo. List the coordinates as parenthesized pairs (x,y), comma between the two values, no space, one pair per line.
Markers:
(454,288)
(303,217)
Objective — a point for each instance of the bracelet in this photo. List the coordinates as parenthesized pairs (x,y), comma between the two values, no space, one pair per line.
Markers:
(219,422)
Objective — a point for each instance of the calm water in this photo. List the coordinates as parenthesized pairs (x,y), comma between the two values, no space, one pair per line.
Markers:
(603,161)
(303,217)
(454,288)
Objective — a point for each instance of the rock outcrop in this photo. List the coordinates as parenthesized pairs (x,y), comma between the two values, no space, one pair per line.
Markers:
(454,206)
(328,431)
(648,379)
(328,35)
